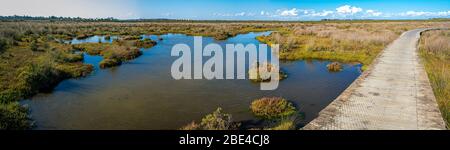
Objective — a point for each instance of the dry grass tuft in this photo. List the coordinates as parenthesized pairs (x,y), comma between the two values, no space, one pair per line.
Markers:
(435,53)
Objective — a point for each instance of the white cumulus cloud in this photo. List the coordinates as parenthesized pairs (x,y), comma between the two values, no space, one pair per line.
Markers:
(347,9)
(292,12)
(342,12)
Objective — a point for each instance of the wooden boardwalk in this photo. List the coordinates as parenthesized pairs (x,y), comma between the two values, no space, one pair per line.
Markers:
(394,93)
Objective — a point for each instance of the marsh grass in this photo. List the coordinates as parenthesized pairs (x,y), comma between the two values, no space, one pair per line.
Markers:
(113,53)
(276,114)
(344,42)
(14,117)
(217,120)
(285,124)
(272,108)
(146,43)
(25,72)
(108,63)
(435,53)
(34,58)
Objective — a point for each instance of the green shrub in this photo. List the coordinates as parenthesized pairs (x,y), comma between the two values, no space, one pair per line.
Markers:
(272,108)
(217,121)
(9,95)
(214,121)
(14,117)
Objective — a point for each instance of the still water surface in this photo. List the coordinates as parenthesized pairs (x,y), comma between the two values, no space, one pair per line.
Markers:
(141,94)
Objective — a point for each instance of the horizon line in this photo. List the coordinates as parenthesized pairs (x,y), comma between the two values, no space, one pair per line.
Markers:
(173,19)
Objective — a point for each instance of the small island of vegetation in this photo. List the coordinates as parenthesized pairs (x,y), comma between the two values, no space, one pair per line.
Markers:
(276,113)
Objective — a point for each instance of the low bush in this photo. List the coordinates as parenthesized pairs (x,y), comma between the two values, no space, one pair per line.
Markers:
(13,116)
(272,108)
(217,120)
(9,95)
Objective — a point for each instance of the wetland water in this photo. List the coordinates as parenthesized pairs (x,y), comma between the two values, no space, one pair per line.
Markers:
(141,94)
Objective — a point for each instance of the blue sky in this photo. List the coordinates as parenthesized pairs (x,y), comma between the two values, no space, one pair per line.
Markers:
(232,9)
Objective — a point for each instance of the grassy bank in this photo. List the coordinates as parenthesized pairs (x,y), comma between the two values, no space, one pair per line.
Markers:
(344,42)
(435,53)
(27,69)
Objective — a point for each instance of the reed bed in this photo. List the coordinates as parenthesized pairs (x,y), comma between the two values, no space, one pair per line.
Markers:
(435,53)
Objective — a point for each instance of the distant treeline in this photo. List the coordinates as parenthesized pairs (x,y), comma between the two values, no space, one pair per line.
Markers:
(111,19)
(55,18)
